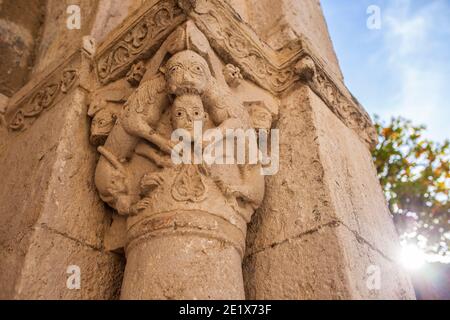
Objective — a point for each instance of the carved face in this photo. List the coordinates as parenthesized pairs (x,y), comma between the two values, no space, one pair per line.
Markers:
(136,73)
(187,72)
(101,126)
(261,117)
(187,109)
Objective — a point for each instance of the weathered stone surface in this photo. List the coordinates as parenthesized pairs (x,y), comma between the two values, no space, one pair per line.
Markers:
(309,266)
(322,221)
(27,167)
(201,268)
(110,13)
(71,205)
(350,177)
(279,22)
(296,200)
(20,27)
(48,185)
(326,263)
(44,273)
(337,179)
(370,274)
(57,39)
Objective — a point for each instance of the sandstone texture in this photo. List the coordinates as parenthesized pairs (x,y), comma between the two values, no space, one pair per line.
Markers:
(117,177)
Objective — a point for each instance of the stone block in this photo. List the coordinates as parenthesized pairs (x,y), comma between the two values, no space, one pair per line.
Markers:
(44,274)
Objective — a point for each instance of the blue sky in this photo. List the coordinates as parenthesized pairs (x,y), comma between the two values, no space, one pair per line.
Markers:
(403,68)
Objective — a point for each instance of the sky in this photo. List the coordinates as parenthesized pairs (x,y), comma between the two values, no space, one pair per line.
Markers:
(399,66)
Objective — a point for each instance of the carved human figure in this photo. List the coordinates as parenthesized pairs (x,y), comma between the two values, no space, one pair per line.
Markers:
(184,72)
(192,216)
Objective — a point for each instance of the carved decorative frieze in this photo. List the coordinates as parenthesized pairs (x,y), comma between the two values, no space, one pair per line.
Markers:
(139,40)
(43,94)
(275,71)
(234,40)
(347,110)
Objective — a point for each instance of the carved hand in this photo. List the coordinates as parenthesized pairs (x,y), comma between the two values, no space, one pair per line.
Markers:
(141,205)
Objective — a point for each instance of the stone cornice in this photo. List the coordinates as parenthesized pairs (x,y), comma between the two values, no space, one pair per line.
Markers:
(43,92)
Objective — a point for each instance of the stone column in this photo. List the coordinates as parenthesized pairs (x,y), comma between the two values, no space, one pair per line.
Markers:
(179,256)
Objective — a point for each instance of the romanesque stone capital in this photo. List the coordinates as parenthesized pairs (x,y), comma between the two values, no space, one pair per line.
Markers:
(182,86)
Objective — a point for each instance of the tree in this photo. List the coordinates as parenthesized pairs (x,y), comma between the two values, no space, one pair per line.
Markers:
(414,173)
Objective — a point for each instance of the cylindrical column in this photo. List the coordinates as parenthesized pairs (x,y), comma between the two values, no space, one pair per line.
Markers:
(187,267)
(183,254)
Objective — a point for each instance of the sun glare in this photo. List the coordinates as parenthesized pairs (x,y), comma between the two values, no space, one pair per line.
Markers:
(412,258)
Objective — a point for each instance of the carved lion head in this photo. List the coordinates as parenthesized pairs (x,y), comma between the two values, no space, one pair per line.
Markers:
(186,72)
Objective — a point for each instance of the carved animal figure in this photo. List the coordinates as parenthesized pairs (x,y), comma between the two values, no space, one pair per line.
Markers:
(140,113)
(186,72)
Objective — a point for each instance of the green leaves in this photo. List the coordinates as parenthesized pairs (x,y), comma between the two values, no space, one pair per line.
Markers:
(414,173)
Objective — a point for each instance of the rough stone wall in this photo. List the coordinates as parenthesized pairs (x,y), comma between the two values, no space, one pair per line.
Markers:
(110,13)
(324,222)
(27,165)
(293,252)
(361,209)
(52,216)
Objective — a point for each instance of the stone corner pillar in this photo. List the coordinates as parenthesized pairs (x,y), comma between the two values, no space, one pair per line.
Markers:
(53,220)
(324,230)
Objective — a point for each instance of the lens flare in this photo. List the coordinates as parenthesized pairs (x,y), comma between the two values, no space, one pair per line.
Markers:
(412,258)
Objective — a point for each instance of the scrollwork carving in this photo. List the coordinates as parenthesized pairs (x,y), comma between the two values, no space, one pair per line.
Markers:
(349,112)
(43,98)
(144,36)
(189,185)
